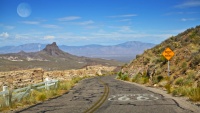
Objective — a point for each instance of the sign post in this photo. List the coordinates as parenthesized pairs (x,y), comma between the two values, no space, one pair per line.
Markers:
(168,54)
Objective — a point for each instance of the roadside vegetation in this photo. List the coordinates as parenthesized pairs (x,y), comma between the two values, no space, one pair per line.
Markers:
(39,96)
(150,68)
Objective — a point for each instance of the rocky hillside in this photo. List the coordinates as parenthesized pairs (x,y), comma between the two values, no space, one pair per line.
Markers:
(50,58)
(151,67)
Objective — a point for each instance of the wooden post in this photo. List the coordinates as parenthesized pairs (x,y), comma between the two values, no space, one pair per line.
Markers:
(7,96)
(5,88)
(56,84)
(46,83)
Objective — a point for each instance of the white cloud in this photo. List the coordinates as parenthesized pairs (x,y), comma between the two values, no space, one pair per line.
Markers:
(69,18)
(188,4)
(91,27)
(22,36)
(125,29)
(4,35)
(125,20)
(30,22)
(50,26)
(49,37)
(188,19)
(180,13)
(123,16)
(9,27)
(84,22)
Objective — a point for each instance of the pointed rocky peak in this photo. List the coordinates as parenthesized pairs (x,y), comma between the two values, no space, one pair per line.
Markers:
(53,49)
(22,52)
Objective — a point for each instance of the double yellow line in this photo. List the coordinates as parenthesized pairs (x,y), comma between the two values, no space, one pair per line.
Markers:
(101,100)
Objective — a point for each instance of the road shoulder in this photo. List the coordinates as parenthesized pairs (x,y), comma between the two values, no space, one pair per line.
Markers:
(181,101)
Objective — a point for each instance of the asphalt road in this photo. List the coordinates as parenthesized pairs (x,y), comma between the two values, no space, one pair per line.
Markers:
(107,95)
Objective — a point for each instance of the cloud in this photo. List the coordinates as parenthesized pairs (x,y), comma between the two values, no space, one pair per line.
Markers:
(4,35)
(30,22)
(69,18)
(50,26)
(22,36)
(125,20)
(125,29)
(91,27)
(180,13)
(188,4)
(7,27)
(89,22)
(122,16)
(188,19)
(49,37)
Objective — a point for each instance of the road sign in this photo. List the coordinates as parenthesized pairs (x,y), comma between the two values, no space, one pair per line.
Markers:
(168,53)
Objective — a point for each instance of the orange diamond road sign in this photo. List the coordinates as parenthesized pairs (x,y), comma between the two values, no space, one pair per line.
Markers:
(168,53)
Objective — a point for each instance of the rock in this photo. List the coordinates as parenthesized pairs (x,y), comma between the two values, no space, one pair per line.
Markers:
(99,72)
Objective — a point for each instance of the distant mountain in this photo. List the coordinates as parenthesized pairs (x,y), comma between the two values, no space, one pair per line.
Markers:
(50,58)
(32,47)
(122,52)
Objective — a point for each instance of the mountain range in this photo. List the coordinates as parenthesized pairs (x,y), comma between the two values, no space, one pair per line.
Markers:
(121,52)
(50,58)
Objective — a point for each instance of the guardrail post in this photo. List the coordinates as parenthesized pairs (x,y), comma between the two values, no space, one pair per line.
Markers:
(5,88)
(56,85)
(7,96)
(46,83)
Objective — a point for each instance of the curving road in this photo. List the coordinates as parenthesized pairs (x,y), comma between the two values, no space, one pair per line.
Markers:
(107,95)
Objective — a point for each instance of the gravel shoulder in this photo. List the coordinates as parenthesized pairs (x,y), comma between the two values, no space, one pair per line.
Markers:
(181,101)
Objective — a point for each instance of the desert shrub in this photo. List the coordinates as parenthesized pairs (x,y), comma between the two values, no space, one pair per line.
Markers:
(181,91)
(76,79)
(159,78)
(146,61)
(143,80)
(188,81)
(52,93)
(184,65)
(168,87)
(138,78)
(125,77)
(119,74)
(194,94)
(191,74)
(135,77)
(195,61)
(64,85)
(137,56)
(41,97)
(179,81)
(158,71)
(154,80)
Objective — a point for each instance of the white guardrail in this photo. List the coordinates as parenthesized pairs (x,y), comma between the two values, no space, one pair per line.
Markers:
(9,96)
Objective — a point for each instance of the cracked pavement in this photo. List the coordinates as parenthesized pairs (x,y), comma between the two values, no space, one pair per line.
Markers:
(123,98)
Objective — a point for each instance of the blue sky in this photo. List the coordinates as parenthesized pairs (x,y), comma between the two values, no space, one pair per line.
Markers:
(105,22)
